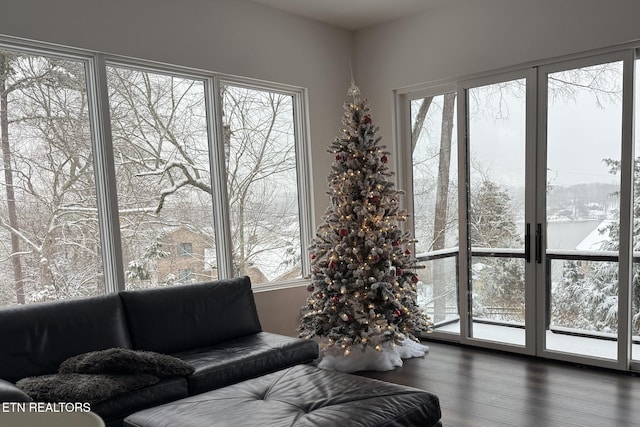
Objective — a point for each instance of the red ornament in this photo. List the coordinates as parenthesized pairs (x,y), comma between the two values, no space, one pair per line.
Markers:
(335,298)
(395,243)
(399,272)
(343,232)
(408,252)
(313,256)
(397,313)
(332,264)
(350,317)
(367,119)
(415,279)
(374,199)
(310,288)
(338,158)
(384,159)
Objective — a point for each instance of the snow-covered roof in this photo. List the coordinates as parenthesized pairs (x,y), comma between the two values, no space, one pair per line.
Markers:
(593,241)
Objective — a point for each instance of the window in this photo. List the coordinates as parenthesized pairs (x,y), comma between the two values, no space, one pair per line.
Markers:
(185,249)
(259,129)
(125,175)
(185,275)
(161,152)
(435,203)
(48,214)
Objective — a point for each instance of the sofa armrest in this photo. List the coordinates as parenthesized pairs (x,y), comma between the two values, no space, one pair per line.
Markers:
(10,393)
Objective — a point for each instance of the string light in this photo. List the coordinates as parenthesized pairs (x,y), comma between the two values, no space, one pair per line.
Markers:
(360,246)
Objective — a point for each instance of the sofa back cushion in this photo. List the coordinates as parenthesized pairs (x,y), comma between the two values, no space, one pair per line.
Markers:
(181,317)
(36,338)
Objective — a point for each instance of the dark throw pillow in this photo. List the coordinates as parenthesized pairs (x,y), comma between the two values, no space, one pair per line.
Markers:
(82,387)
(126,361)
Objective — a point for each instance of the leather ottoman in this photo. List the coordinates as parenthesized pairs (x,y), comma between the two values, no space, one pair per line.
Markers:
(299,396)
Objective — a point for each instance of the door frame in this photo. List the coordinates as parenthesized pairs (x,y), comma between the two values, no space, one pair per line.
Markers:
(626,206)
(535,209)
(466,321)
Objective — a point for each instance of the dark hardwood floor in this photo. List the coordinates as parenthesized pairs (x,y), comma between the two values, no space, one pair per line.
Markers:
(480,388)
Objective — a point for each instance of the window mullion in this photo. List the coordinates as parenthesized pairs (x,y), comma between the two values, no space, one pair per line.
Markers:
(105,176)
(627,161)
(222,221)
(303,170)
(464,260)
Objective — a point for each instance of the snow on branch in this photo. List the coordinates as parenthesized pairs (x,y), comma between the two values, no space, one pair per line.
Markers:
(186,181)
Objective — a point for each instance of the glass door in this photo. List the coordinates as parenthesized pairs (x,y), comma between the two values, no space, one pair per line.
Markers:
(547,251)
(581,116)
(498,213)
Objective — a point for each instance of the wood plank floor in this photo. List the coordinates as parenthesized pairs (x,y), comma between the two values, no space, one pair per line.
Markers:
(480,388)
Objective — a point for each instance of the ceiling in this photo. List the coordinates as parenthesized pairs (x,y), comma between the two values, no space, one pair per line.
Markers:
(352,14)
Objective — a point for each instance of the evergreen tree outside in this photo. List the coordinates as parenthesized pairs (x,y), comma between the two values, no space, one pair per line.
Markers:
(498,283)
(587,297)
(363,290)
(564,308)
(491,222)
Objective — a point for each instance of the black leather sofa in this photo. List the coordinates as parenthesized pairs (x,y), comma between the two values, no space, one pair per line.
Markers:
(212,326)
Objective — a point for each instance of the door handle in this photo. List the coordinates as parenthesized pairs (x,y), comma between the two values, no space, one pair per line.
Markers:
(527,243)
(539,243)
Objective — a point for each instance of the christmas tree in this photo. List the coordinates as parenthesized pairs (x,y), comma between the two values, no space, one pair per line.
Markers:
(363,289)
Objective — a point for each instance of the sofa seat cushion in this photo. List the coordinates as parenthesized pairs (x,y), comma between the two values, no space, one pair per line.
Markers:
(300,396)
(246,357)
(126,361)
(10,393)
(82,387)
(113,410)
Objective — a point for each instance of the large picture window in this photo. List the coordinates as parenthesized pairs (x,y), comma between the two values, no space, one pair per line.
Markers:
(435,203)
(50,247)
(179,210)
(161,156)
(262,185)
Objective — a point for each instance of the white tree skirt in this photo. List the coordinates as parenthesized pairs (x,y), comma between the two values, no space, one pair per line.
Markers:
(371,360)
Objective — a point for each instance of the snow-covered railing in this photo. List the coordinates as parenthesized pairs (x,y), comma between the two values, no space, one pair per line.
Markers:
(441,253)
(572,255)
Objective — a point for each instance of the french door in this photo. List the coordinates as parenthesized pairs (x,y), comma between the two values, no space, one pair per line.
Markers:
(496,142)
(545,176)
(585,192)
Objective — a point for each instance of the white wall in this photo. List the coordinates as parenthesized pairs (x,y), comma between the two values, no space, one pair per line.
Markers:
(473,36)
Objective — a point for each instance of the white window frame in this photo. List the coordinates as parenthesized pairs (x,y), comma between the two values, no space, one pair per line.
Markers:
(101,139)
